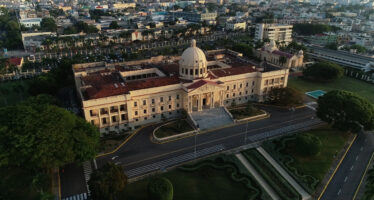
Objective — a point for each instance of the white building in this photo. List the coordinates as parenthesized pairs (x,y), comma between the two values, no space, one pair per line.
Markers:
(236,26)
(29,22)
(276,32)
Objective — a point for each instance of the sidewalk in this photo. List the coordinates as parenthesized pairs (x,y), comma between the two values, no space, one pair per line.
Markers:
(258,177)
(294,184)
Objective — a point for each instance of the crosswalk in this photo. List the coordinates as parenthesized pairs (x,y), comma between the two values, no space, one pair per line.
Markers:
(87,171)
(82,196)
(283,130)
(173,161)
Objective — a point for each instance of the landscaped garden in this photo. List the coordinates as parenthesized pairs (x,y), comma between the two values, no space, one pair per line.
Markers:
(271,175)
(359,87)
(310,169)
(245,112)
(174,128)
(217,178)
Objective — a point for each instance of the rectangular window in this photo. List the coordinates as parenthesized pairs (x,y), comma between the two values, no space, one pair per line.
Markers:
(246,85)
(122,107)
(177,105)
(145,111)
(114,119)
(169,106)
(196,71)
(177,96)
(153,101)
(228,87)
(135,103)
(123,117)
(234,87)
(169,98)
(161,99)
(144,102)
(266,82)
(153,109)
(136,113)
(240,85)
(104,120)
(253,83)
(227,95)
(162,108)
(191,71)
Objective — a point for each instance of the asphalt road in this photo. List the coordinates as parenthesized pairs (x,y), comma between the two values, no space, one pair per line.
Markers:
(140,151)
(345,181)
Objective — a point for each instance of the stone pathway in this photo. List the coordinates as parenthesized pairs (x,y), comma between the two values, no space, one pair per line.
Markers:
(257,176)
(211,118)
(294,184)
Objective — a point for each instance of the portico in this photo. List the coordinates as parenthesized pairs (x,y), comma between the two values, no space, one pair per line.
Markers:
(206,96)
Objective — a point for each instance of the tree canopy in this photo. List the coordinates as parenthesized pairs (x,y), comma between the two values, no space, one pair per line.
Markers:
(308,144)
(245,49)
(160,189)
(346,111)
(38,134)
(10,32)
(106,182)
(285,97)
(312,29)
(323,71)
(48,24)
(114,25)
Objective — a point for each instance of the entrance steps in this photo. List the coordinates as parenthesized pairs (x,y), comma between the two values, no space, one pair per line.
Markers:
(212,118)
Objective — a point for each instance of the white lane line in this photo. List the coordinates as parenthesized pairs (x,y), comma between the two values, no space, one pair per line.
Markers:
(351,167)
(345,179)
(340,191)
(356,157)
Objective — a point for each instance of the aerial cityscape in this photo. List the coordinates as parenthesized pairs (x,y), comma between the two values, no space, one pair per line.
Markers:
(185,100)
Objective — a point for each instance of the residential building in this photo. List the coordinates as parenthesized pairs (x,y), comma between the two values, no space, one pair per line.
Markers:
(277,32)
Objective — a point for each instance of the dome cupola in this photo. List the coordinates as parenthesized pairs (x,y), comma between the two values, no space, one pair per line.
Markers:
(193,63)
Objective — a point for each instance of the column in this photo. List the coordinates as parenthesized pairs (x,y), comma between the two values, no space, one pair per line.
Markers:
(212,100)
(199,104)
(221,98)
(189,104)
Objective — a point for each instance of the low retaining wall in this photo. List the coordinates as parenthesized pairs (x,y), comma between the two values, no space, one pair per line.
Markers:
(172,137)
(253,117)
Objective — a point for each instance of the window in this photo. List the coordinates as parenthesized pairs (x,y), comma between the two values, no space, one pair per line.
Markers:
(153,101)
(123,117)
(91,113)
(252,91)
(169,106)
(135,103)
(114,119)
(161,99)
(177,96)
(240,86)
(136,113)
(93,122)
(246,85)
(234,87)
(162,108)
(122,107)
(104,120)
(201,71)
(177,105)
(144,102)
(153,109)
(240,93)
(154,116)
(182,70)
(246,92)
(227,95)
(228,87)
(253,83)
(145,111)
(169,98)
(191,71)
(266,82)
(145,118)
(196,71)
(136,120)
(233,94)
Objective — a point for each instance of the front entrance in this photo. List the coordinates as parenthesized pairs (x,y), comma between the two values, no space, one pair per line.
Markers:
(204,102)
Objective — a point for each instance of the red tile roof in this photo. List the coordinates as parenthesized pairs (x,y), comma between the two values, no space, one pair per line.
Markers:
(15,61)
(230,71)
(152,82)
(281,53)
(200,83)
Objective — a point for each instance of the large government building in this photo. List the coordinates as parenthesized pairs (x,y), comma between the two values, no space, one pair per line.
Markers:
(121,96)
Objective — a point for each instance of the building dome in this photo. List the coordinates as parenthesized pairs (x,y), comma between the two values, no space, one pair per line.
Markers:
(193,63)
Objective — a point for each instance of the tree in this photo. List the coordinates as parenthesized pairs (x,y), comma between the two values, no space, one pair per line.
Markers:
(285,97)
(48,24)
(332,46)
(323,71)
(346,111)
(160,189)
(308,144)
(39,135)
(312,29)
(106,182)
(245,49)
(114,25)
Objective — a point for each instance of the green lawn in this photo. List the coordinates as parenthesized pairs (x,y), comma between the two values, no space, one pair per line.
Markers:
(203,181)
(361,88)
(14,91)
(173,128)
(317,166)
(241,113)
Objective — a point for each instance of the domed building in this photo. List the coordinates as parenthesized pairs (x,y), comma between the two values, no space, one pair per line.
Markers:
(193,63)
(122,96)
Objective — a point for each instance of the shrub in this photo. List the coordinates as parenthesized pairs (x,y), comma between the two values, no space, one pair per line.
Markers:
(308,145)
(160,189)
(323,71)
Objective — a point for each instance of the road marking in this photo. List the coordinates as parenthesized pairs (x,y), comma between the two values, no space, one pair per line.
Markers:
(356,157)
(114,157)
(362,148)
(351,167)
(208,142)
(363,176)
(340,191)
(117,163)
(345,179)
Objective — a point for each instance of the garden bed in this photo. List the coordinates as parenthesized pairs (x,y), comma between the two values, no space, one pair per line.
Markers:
(216,178)
(173,128)
(308,170)
(242,112)
(272,177)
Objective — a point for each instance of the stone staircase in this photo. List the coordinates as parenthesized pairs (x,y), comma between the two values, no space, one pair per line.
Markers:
(212,118)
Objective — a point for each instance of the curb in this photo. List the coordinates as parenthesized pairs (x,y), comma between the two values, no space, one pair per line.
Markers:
(124,142)
(337,167)
(363,176)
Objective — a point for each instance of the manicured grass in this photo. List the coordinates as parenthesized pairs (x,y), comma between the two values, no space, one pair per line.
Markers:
(316,166)
(203,182)
(359,87)
(241,113)
(174,128)
(13,92)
